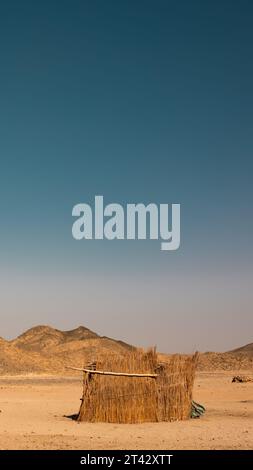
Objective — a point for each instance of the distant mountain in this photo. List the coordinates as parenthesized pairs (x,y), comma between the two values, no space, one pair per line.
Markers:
(247,349)
(43,337)
(237,359)
(46,349)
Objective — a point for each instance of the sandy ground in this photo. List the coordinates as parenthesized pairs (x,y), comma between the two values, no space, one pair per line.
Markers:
(34,415)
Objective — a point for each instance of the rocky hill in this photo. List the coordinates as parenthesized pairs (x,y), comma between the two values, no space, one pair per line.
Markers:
(44,349)
(245,350)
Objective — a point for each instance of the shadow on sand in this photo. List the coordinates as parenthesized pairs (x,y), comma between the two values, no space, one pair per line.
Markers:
(73,417)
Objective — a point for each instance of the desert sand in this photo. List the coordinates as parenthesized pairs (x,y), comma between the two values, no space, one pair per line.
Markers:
(39,396)
(36,413)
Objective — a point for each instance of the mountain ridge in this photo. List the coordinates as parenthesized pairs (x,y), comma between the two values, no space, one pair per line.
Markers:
(246,349)
(44,349)
(44,336)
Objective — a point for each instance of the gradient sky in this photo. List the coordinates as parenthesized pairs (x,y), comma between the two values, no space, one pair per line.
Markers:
(140,101)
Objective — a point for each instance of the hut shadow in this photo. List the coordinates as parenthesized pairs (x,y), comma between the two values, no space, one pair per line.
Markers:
(74,417)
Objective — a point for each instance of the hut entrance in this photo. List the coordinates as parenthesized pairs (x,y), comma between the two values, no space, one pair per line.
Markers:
(137,388)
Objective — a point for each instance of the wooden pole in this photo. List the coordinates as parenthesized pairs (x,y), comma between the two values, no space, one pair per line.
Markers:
(102,372)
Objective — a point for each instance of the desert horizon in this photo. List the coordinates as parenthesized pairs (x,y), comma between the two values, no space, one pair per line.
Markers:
(43,348)
(40,397)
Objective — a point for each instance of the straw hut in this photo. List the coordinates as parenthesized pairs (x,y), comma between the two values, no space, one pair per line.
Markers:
(137,388)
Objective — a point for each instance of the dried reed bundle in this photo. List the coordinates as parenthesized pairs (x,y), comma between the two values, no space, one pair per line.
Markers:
(119,399)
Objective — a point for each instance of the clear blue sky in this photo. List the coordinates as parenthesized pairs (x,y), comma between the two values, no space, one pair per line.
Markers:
(141,101)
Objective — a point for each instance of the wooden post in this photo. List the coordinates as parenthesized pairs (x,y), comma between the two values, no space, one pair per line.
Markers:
(122,374)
